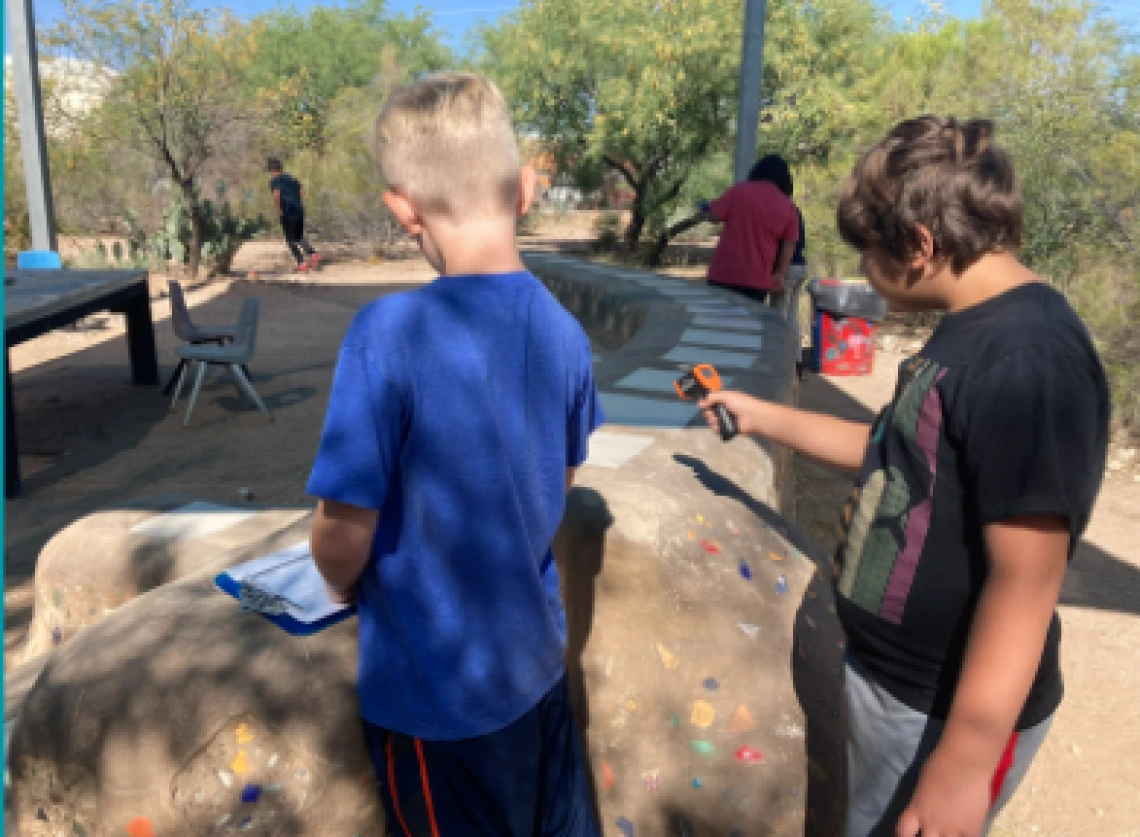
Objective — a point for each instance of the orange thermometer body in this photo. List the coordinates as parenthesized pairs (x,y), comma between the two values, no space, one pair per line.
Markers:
(698,382)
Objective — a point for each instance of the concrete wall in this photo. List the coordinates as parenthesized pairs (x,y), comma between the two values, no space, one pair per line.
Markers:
(653,321)
(681,588)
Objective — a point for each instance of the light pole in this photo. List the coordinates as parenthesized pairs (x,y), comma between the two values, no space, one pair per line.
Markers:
(29,108)
(751,76)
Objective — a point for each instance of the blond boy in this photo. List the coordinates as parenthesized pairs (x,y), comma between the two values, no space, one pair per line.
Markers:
(458,414)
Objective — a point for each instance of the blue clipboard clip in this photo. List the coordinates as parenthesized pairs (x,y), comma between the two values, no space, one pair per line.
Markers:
(273,608)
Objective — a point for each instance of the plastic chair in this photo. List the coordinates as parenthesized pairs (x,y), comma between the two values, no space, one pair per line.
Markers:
(38,260)
(234,356)
(186,330)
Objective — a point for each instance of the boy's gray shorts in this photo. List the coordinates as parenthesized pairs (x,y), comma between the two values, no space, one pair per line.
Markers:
(888,742)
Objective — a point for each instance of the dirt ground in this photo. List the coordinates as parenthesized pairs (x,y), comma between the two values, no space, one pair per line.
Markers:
(90,440)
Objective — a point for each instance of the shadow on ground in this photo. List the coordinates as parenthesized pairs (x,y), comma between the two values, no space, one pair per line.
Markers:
(90,440)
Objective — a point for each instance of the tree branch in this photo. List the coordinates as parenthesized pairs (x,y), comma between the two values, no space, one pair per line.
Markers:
(675,189)
(654,257)
(626,173)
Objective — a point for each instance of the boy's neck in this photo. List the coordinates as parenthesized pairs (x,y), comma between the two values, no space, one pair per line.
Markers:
(990,276)
(476,246)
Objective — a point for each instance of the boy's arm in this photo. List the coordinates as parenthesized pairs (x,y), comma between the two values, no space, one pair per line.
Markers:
(784,260)
(827,439)
(1028,557)
(341,542)
(570,479)
(356,460)
(277,200)
(705,210)
(788,240)
(718,210)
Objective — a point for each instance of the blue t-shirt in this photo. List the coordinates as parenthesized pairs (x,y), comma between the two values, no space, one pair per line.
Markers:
(455,411)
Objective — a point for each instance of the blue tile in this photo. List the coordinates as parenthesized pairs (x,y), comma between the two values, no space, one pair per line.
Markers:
(734,323)
(692,354)
(717,308)
(656,380)
(704,337)
(647,412)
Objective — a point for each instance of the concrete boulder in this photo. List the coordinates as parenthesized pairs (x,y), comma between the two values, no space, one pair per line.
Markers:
(160,716)
(105,560)
(681,602)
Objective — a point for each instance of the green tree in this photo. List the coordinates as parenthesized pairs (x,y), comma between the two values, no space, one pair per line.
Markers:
(650,88)
(171,73)
(304,61)
(1060,83)
(17,225)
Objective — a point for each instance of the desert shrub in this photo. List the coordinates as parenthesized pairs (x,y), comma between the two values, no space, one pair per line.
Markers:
(607,230)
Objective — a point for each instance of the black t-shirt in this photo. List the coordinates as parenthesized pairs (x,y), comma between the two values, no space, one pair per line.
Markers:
(290,189)
(1004,412)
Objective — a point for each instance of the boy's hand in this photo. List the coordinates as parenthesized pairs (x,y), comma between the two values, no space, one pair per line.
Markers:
(832,441)
(744,408)
(1028,556)
(951,800)
(341,597)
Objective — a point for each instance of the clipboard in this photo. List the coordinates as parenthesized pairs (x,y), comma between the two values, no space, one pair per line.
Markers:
(285,588)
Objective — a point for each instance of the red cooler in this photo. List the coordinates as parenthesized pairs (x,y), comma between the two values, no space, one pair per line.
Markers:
(845,313)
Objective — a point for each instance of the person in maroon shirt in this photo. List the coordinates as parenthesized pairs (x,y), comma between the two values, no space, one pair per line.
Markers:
(761,228)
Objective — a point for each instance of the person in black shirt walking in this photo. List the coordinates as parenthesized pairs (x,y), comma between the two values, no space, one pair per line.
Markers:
(974,485)
(288,198)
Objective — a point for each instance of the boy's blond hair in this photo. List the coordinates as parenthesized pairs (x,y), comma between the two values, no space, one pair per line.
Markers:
(447,142)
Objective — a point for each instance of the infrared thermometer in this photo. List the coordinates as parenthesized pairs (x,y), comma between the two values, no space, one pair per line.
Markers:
(698,382)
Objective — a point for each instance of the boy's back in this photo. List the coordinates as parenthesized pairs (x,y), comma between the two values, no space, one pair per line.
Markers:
(458,414)
(757,218)
(289,188)
(470,398)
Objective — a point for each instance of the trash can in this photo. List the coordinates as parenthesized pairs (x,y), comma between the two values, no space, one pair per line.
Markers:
(845,316)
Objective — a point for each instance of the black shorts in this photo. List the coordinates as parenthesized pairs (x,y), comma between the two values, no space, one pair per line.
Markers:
(527,779)
(293,226)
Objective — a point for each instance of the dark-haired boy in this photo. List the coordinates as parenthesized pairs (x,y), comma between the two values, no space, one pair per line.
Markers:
(975,484)
(288,199)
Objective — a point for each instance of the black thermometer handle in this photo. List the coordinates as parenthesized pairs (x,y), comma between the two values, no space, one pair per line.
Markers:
(726,420)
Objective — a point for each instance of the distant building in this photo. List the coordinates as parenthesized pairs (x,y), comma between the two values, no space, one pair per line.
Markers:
(71,88)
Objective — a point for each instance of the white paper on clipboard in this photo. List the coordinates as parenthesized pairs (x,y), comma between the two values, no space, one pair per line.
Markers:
(291,574)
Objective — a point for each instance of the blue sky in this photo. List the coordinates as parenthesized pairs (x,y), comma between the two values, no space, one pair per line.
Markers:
(458,17)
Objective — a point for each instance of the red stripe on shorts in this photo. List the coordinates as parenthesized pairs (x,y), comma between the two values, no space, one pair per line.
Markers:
(392,788)
(427,789)
(1003,769)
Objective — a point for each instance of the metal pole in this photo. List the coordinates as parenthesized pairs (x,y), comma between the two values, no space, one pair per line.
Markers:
(751,77)
(29,107)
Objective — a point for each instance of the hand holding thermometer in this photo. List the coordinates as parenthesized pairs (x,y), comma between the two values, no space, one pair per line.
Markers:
(697,383)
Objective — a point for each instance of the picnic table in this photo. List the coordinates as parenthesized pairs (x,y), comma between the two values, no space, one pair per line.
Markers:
(39,301)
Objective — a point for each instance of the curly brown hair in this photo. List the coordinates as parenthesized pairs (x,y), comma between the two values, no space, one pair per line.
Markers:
(945,175)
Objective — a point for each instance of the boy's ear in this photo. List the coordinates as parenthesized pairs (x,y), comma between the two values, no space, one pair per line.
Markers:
(528,180)
(923,254)
(404,210)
